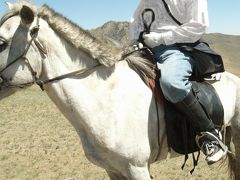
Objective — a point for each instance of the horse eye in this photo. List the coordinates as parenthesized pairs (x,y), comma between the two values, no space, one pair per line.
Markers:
(3,43)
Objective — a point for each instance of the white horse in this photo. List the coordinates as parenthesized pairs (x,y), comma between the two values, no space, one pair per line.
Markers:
(111,108)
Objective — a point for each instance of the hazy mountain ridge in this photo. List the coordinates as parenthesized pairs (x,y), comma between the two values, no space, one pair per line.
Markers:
(227,45)
(113,31)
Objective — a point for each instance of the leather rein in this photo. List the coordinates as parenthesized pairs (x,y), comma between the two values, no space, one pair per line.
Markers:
(43,52)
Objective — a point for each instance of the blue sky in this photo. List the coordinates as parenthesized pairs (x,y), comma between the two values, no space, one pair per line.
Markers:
(224,14)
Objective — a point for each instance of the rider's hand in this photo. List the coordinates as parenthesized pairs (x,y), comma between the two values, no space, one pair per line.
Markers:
(153,39)
(138,46)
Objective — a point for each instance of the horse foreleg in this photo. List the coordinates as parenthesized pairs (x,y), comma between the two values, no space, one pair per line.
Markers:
(133,173)
(138,173)
(115,176)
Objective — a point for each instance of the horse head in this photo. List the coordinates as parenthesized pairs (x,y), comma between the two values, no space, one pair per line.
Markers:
(20,59)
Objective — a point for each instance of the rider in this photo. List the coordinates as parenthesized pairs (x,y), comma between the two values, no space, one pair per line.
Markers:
(176,66)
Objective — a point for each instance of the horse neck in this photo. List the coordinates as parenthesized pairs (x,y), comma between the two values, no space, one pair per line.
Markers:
(72,94)
(62,57)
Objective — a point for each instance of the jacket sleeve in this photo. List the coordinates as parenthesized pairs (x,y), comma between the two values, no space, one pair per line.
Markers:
(193,28)
(136,25)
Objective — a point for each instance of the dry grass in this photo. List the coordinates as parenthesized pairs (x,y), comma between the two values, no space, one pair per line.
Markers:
(37,142)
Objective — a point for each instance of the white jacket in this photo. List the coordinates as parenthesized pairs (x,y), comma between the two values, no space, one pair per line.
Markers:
(193,14)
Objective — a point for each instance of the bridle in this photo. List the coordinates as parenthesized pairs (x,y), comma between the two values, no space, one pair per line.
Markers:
(34,34)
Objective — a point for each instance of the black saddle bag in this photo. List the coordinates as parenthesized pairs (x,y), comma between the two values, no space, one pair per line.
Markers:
(207,61)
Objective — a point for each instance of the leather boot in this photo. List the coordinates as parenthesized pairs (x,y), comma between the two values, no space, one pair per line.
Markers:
(196,114)
(208,138)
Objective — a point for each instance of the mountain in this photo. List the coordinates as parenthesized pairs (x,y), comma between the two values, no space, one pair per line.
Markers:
(112,31)
(226,45)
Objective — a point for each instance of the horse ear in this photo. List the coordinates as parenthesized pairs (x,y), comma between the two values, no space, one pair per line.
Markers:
(10,5)
(27,15)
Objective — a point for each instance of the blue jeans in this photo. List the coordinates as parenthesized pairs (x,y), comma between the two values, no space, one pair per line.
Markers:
(176,68)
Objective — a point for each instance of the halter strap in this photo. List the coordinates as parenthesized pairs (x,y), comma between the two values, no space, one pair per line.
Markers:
(33,33)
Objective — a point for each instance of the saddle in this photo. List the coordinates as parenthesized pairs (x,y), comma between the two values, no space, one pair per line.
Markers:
(180,133)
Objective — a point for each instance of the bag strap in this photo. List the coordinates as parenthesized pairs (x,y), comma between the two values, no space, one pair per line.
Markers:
(170,14)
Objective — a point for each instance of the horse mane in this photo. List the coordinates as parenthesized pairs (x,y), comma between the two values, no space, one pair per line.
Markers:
(143,65)
(103,52)
(80,38)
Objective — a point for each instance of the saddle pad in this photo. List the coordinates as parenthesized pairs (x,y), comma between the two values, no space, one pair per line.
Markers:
(181,137)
